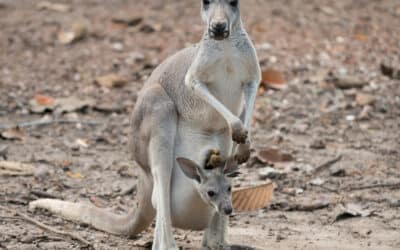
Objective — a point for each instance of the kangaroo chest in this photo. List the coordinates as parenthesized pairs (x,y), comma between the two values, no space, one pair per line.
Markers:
(225,72)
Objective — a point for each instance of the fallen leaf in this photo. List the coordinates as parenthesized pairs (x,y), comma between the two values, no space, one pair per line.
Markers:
(44,100)
(76,175)
(82,142)
(78,31)
(273,79)
(317,182)
(41,103)
(252,198)
(59,7)
(11,168)
(364,99)
(143,243)
(352,210)
(348,82)
(13,134)
(126,19)
(73,103)
(361,37)
(307,205)
(268,155)
(111,81)
(270,173)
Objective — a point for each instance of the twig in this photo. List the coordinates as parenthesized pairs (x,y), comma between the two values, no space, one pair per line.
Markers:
(42,122)
(13,173)
(48,228)
(42,194)
(327,164)
(381,185)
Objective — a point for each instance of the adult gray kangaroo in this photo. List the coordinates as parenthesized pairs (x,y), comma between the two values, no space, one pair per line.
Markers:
(198,100)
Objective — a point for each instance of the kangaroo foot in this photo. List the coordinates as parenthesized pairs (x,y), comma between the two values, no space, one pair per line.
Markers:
(214,159)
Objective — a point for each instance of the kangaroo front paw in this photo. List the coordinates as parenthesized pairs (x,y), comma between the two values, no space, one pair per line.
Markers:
(214,159)
(242,153)
(239,133)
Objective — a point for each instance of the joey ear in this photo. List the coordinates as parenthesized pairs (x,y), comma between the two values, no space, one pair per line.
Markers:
(231,167)
(190,168)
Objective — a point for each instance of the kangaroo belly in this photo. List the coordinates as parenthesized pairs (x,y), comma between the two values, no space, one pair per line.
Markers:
(188,210)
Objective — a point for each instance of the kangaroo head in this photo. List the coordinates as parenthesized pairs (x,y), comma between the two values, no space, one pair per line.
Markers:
(214,185)
(221,17)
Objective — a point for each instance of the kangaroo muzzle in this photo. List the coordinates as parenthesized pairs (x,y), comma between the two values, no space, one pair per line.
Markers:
(219,30)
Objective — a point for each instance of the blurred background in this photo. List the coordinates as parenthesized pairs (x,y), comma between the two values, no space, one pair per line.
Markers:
(326,125)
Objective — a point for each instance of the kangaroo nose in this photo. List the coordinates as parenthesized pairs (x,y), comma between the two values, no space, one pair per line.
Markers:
(219,27)
(228,210)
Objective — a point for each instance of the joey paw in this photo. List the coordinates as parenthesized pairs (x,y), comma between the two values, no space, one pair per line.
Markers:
(214,159)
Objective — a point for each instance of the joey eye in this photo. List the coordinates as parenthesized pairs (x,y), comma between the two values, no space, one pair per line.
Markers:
(206,2)
(229,189)
(234,3)
(211,193)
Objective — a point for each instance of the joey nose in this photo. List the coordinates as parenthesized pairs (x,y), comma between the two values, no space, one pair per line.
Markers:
(228,210)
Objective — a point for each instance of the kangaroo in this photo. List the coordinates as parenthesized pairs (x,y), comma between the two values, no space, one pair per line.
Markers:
(197,100)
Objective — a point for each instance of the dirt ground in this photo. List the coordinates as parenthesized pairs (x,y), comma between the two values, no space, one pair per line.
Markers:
(336,101)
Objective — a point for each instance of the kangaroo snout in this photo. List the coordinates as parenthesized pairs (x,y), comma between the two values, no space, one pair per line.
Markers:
(219,30)
(228,210)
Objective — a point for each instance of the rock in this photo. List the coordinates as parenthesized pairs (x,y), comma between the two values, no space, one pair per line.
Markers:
(364,99)
(348,82)
(390,71)
(271,173)
(317,182)
(365,113)
(59,7)
(318,144)
(338,172)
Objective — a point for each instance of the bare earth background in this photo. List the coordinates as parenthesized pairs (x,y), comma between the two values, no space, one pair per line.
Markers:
(336,101)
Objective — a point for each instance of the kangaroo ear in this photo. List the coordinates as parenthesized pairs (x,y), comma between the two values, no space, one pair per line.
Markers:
(231,167)
(190,169)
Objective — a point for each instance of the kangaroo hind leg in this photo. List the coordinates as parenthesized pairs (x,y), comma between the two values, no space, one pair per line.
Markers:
(163,122)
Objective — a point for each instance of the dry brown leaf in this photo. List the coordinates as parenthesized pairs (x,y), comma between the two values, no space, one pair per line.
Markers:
(78,31)
(59,7)
(126,19)
(111,81)
(273,79)
(364,99)
(76,175)
(252,198)
(13,134)
(44,100)
(268,155)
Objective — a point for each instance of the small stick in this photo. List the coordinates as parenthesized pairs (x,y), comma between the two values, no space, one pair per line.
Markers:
(382,185)
(48,228)
(42,122)
(327,164)
(42,194)
(13,173)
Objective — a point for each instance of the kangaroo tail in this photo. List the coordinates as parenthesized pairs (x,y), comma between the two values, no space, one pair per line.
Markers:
(132,223)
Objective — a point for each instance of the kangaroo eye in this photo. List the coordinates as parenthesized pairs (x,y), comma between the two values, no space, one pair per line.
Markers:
(211,193)
(229,189)
(234,3)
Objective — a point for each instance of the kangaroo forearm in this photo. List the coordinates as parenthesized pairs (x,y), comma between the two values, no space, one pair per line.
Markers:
(202,91)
